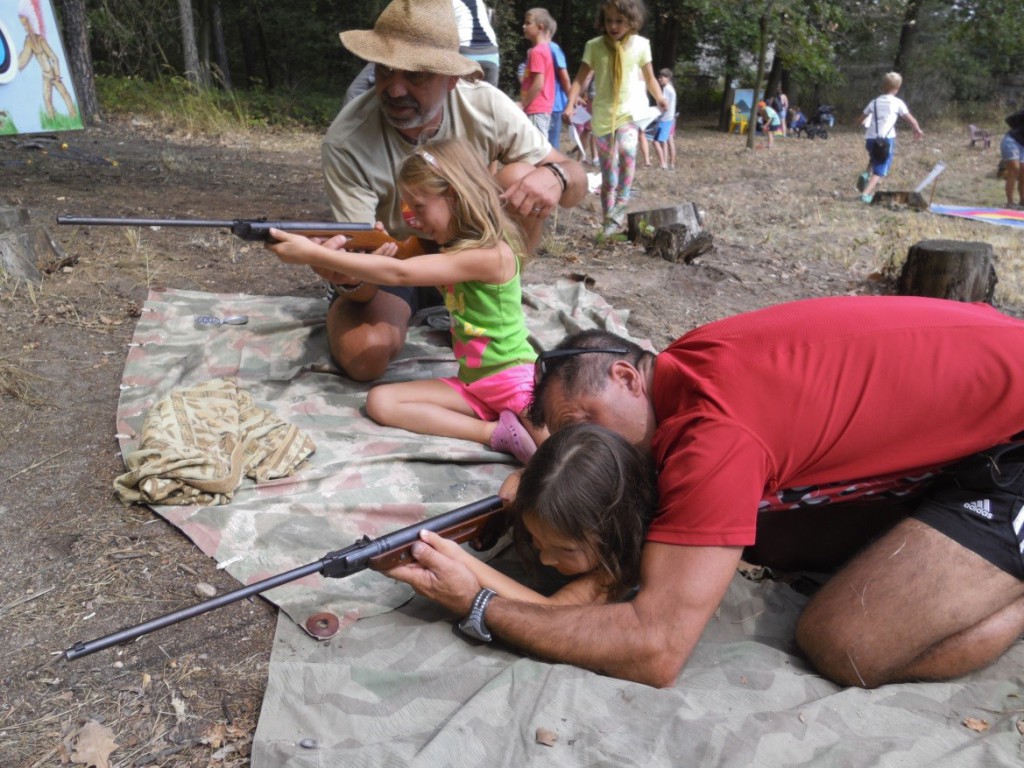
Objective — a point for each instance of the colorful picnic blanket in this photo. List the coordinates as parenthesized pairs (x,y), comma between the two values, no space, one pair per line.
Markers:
(1009,217)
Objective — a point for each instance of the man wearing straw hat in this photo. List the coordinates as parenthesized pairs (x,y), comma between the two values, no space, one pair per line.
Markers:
(424,89)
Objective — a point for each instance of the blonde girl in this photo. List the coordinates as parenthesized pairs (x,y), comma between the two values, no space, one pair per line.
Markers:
(451,199)
(583,506)
(616,58)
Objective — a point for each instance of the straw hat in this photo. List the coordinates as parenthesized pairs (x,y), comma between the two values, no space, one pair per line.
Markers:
(415,36)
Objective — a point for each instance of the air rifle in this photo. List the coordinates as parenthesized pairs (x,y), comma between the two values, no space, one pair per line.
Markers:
(482,521)
(360,237)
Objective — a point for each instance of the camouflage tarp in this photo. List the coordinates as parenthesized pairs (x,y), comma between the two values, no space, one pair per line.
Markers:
(363,478)
(404,689)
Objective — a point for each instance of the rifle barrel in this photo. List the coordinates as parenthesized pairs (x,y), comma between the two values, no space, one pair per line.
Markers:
(341,562)
(247,229)
(85,648)
(100,221)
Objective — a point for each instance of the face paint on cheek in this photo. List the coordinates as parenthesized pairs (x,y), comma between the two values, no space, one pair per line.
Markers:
(409,217)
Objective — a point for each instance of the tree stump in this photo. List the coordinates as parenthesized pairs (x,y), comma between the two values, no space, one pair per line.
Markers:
(26,249)
(641,225)
(913,200)
(679,242)
(949,269)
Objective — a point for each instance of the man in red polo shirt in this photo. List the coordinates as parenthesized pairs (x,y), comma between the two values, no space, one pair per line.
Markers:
(801,413)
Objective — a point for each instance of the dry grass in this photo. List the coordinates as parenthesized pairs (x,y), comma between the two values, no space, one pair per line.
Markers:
(21,384)
(798,201)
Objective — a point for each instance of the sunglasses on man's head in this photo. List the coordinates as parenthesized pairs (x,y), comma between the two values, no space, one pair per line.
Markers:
(541,366)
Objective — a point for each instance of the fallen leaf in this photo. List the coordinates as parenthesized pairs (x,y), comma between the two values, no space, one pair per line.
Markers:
(975,724)
(546,737)
(93,746)
(215,735)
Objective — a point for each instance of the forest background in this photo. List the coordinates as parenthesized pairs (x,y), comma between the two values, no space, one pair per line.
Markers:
(270,63)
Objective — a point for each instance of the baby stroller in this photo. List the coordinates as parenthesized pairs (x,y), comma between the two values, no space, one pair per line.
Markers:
(822,119)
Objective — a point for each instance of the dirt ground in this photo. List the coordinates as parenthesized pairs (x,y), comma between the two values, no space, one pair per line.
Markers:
(75,564)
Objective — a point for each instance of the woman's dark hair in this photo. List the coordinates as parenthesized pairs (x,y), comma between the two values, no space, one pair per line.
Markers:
(590,485)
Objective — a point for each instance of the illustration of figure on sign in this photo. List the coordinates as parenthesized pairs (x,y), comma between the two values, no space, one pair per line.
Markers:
(36,47)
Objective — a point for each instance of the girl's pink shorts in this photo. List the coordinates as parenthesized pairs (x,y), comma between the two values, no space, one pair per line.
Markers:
(509,390)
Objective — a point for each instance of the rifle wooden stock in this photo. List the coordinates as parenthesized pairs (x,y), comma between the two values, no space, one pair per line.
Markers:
(482,520)
(486,527)
(360,237)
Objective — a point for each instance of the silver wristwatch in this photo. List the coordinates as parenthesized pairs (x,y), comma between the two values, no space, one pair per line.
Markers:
(473,625)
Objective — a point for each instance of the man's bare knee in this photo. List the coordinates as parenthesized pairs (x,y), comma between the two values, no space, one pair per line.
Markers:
(363,339)
(365,366)
(830,646)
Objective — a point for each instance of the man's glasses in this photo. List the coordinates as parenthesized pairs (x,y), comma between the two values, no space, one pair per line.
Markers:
(541,366)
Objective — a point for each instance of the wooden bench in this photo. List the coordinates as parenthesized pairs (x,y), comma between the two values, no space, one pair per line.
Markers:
(980,134)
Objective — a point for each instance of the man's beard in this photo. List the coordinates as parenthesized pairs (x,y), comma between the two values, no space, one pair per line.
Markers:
(417,120)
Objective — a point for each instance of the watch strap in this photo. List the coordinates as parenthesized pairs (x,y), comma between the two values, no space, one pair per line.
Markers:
(473,625)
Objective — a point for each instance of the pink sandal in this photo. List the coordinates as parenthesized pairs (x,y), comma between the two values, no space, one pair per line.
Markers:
(510,436)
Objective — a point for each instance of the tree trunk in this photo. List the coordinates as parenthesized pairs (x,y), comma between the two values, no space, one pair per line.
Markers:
(248,54)
(565,27)
(774,77)
(76,41)
(193,73)
(949,269)
(762,55)
(908,33)
(666,35)
(203,42)
(217,25)
(728,93)
(264,51)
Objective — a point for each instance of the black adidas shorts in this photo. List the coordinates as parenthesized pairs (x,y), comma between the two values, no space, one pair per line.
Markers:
(979,503)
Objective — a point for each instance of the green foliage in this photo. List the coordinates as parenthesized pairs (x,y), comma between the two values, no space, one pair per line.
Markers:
(991,35)
(175,101)
(287,65)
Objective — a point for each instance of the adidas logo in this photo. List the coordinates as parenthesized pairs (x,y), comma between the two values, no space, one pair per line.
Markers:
(982,508)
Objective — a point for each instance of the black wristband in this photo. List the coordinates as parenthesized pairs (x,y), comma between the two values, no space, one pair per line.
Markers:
(559,172)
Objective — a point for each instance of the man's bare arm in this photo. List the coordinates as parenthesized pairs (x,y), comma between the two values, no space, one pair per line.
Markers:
(539,188)
(647,640)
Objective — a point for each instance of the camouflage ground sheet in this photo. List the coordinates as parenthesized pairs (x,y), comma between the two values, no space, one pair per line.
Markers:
(363,478)
(401,687)
(404,689)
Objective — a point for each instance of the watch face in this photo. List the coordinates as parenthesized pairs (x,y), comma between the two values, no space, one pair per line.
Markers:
(205,321)
(209,321)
